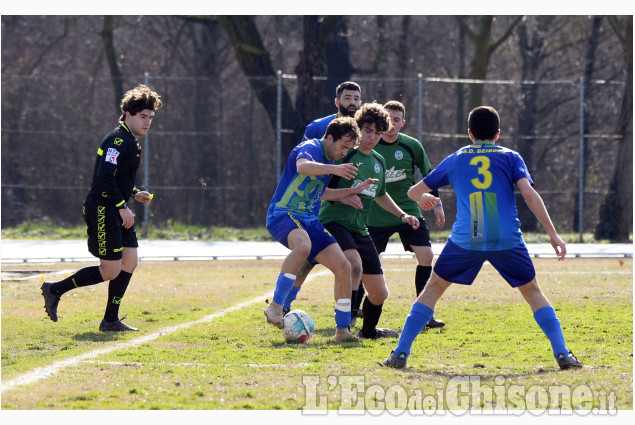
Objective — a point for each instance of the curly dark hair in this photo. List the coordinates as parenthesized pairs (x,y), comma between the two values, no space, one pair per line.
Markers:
(138,99)
(373,112)
(343,127)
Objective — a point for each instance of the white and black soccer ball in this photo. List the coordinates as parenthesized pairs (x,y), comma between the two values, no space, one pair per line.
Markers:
(298,326)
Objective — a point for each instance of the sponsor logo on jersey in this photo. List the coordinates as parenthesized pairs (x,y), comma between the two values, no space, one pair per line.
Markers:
(118,141)
(357,164)
(393,175)
(398,155)
(111,155)
(369,191)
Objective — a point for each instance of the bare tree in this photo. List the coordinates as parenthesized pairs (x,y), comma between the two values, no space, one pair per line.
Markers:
(616,211)
(484,47)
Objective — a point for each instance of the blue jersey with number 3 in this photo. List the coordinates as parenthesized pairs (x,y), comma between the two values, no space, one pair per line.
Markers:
(483,177)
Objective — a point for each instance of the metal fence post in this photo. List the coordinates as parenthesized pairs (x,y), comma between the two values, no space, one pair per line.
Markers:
(581,164)
(420,106)
(278,124)
(146,182)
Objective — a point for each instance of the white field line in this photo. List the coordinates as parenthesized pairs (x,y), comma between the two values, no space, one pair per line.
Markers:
(50,370)
(137,364)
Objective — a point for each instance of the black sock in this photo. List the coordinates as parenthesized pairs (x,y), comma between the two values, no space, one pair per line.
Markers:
(372,313)
(356,298)
(84,277)
(421,277)
(354,305)
(116,288)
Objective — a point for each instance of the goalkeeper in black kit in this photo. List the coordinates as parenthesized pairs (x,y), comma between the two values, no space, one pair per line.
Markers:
(110,223)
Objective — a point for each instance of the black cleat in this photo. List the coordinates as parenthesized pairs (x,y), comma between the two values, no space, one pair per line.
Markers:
(396,361)
(568,361)
(50,301)
(435,323)
(116,326)
(379,333)
(353,321)
(285,311)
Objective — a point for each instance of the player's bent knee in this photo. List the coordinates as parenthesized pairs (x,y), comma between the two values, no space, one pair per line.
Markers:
(342,268)
(302,249)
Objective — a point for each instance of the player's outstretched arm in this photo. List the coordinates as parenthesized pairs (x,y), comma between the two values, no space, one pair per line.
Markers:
(387,203)
(420,193)
(537,206)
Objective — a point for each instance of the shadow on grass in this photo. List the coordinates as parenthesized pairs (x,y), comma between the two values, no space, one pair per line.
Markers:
(326,332)
(98,336)
(485,376)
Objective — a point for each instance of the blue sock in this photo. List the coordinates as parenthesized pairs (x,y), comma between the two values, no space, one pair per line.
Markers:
(419,316)
(283,286)
(550,325)
(293,293)
(343,313)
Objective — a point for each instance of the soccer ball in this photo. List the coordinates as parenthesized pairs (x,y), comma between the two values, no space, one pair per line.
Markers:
(298,326)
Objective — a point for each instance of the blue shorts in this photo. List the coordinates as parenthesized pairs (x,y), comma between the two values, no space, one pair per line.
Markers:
(280,226)
(459,265)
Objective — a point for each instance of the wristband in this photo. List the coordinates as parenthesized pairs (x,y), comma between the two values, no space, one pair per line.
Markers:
(123,206)
(438,206)
(402,216)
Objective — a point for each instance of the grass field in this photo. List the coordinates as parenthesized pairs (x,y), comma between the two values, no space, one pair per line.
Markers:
(195,352)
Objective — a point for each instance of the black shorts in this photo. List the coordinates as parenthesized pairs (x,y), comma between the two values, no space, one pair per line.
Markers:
(363,244)
(409,236)
(106,235)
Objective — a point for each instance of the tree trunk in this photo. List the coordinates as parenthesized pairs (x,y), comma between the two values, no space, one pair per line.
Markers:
(483,49)
(616,211)
(255,62)
(108,40)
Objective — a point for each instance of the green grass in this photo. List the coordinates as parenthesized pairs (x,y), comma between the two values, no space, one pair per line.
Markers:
(237,361)
(44,229)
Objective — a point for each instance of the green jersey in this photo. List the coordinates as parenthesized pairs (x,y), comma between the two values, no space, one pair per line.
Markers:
(403,159)
(368,166)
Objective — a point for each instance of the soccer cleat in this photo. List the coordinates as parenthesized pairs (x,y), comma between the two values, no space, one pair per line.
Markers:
(435,323)
(396,361)
(274,315)
(50,301)
(568,361)
(353,321)
(379,333)
(116,326)
(345,335)
(285,311)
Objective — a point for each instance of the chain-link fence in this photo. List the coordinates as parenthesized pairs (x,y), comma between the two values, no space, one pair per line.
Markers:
(214,151)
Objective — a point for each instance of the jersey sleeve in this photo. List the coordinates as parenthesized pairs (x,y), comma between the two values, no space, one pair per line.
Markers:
(110,154)
(310,132)
(439,176)
(421,159)
(519,170)
(311,152)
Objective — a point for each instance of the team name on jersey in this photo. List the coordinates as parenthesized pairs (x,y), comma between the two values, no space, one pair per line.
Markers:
(370,191)
(482,150)
(393,175)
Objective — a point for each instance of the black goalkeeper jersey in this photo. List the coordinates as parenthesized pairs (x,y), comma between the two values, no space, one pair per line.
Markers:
(116,165)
